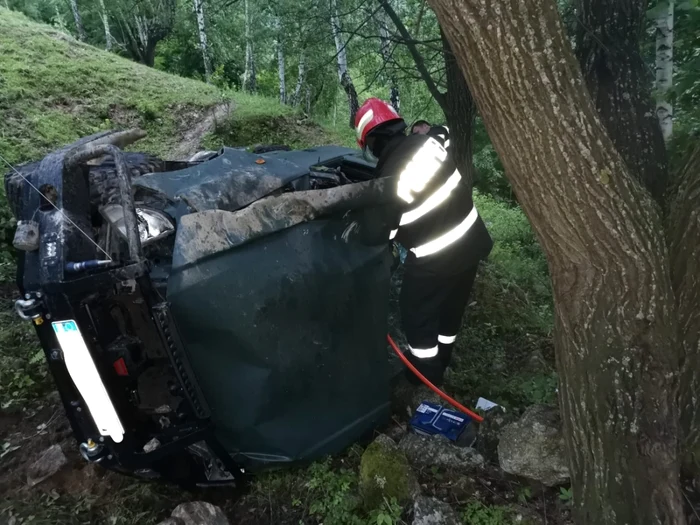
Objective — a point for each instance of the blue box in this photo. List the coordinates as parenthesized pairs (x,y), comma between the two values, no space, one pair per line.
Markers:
(431,419)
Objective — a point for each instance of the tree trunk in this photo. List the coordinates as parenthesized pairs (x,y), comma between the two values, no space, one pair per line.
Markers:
(203,44)
(300,77)
(105,23)
(460,113)
(616,327)
(249,77)
(342,58)
(664,67)
(385,49)
(281,71)
(618,80)
(78,20)
(684,241)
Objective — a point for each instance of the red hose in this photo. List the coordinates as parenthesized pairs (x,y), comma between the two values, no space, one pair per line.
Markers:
(458,406)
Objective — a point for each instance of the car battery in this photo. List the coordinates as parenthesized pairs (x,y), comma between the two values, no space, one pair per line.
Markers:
(431,419)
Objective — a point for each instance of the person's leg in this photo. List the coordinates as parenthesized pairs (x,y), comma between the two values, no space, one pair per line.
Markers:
(452,312)
(419,303)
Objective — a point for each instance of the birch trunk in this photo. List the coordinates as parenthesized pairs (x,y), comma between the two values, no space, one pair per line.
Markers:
(664,67)
(608,50)
(385,49)
(249,77)
(342,58)
(105,23)
(616,324)
(203,43)
(78,20)
(300,77)
(281,70)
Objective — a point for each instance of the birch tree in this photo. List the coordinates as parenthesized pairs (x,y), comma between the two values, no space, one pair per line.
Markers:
(300,77)
(664,65)
(105,23)
(249,77)
(78,20)
(616,326)
(281,71)
(203,43)
(144,23)
(342,59)
(385,50)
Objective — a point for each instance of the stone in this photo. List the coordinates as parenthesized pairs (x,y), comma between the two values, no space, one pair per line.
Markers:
(49,463)
(425,451)
(490,429)
(198,513)
(432,511)
(385,473)
(533,447)
(171,521)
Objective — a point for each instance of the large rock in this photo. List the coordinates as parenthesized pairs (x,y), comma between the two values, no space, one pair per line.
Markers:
(533,447)
(196,513)
(385,473)
(437,450)
(490,430)
(432,511)
(51,461)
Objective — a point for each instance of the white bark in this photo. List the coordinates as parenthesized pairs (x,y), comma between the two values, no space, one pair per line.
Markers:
(342,57)
(385,49)
(300,77)
(203,43)
(664,67)
(280,62)
(249,78)
(105,22)
(78,20)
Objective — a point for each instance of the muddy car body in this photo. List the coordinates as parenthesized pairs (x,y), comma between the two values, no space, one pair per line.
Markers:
(206,318)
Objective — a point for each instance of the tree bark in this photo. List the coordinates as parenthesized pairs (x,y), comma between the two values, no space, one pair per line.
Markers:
(78,20)
(616,325)
(683,235)
(203,43)
(105,23)
(385,50)
(342,58)
(249,76)
(300,77)
(281,70)
(664,66)
(608,39)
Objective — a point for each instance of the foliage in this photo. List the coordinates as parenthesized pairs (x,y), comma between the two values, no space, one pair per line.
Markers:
(476,513)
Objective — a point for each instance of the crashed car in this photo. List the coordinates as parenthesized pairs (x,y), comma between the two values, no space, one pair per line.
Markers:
(208,318)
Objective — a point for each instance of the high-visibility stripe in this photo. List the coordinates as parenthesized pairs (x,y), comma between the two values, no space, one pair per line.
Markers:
(392,234)
(432,202)
(447,339)
(448,238)
(366,119)
(424,353)
(420,169)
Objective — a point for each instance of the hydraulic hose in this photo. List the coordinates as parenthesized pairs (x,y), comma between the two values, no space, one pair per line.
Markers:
(458,406)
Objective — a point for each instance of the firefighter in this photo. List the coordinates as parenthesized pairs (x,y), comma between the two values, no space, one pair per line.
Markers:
(436,221)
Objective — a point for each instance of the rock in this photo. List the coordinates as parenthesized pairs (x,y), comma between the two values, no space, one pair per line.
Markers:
(439,451)
(432,511)
(51,461)
(171,521)
(198,513)
(490,432)
(385,473)
(533,447)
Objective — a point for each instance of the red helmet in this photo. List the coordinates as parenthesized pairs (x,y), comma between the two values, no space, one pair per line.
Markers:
(373,113)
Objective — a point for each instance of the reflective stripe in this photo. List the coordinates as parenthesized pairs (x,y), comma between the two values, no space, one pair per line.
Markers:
(425,353)
(366,118)
(433,201)
(447,143)
(447,339)
(420,169)
(445,240)
(392,234)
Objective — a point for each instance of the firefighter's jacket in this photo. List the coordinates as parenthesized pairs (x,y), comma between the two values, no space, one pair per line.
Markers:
(435,219)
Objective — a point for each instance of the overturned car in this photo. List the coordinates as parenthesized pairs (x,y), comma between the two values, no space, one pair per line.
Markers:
(207,318)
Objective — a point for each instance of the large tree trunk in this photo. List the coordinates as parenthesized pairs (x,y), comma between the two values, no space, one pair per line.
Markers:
(105,23)
(342,58)
(203,44)
(281,70)
(616,327)
(249,76)
(300,77)
(385,50)
(78,20)
(618,80)
(664,66)
(684,241)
